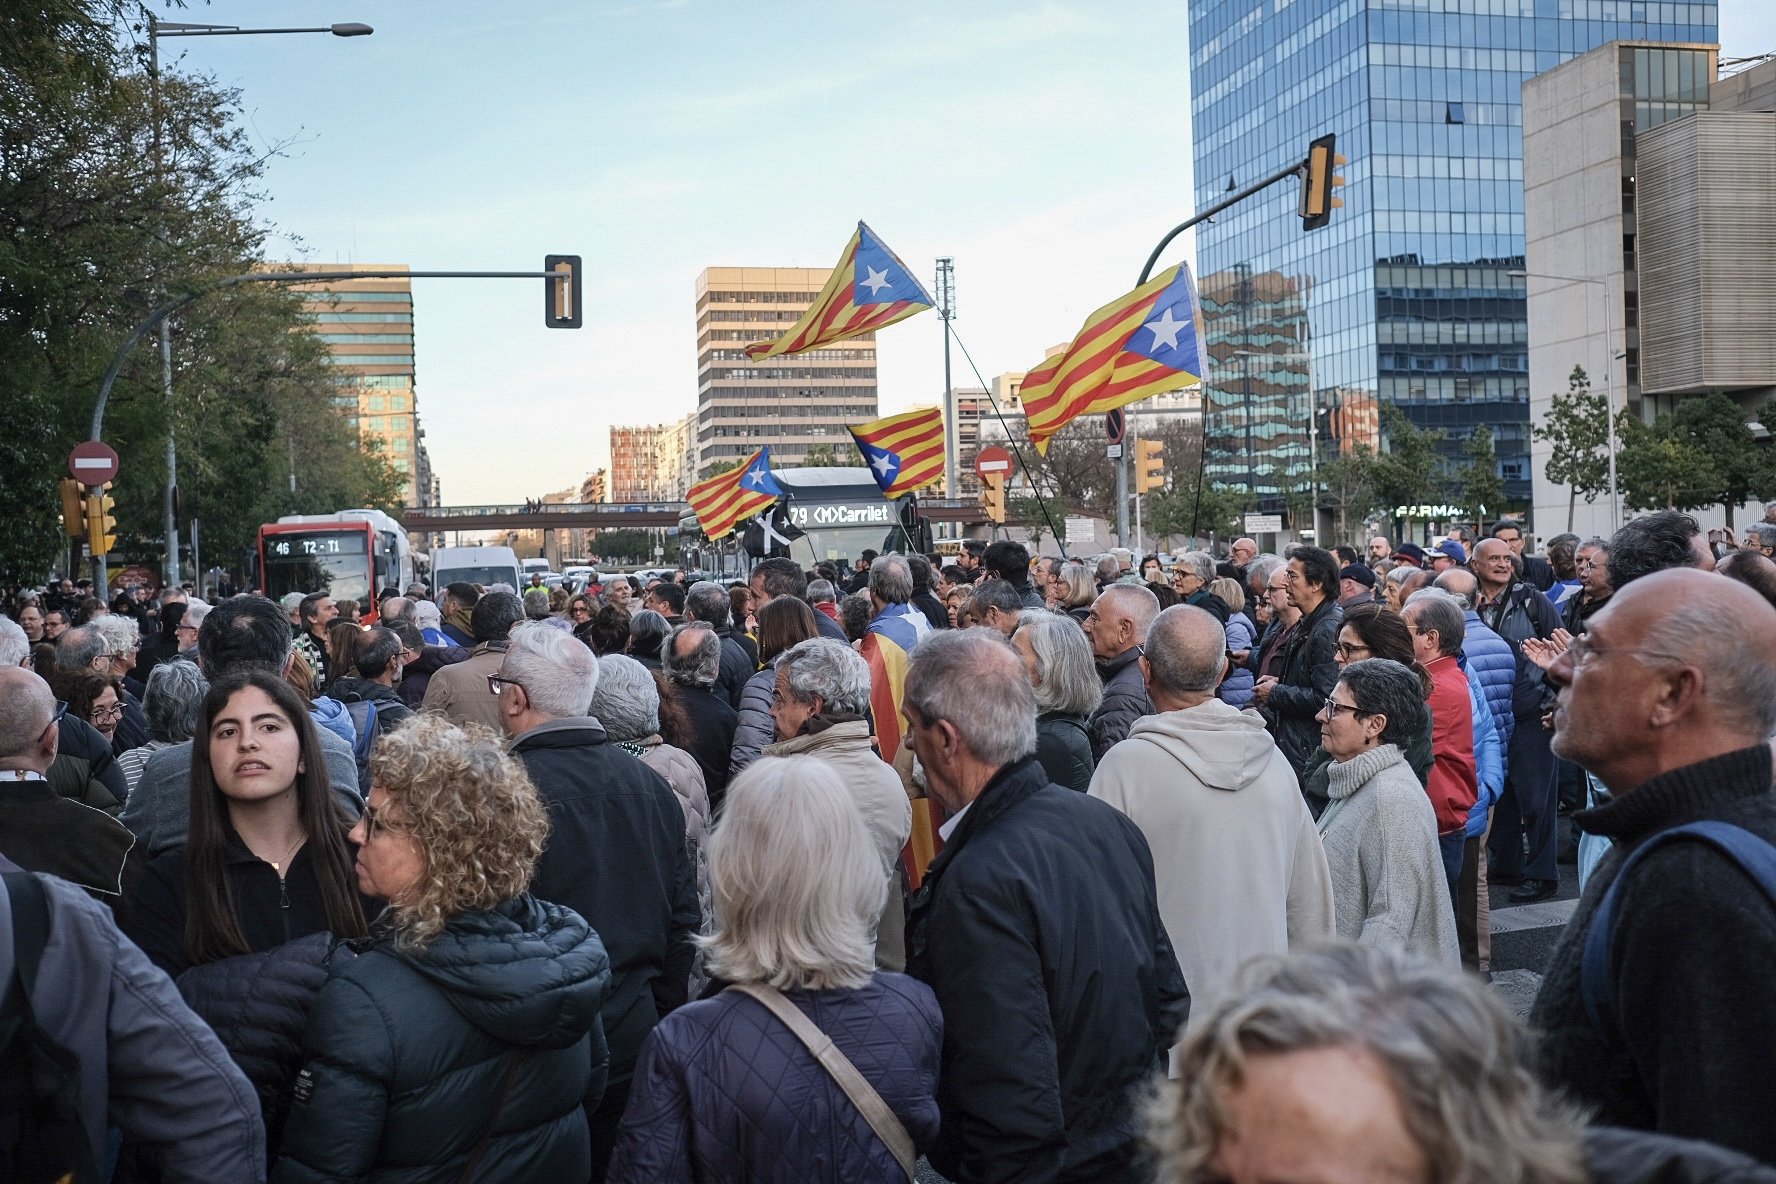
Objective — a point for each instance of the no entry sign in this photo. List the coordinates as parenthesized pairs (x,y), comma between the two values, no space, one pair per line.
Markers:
(991,460)
(92,462)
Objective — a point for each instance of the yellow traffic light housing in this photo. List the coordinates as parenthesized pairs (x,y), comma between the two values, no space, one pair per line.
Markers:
(1149,465)
(101,524)
(73,509)
(993,497)
(1318,182)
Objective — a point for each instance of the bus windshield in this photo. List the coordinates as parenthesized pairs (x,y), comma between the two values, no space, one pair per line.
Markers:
(336,562)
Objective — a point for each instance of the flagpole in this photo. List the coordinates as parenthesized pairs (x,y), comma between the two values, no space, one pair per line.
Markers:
(946,308)
(1011,438)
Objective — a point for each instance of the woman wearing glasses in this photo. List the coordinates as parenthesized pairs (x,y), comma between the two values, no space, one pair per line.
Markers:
(94,697)
(1379,830)
(461,1043)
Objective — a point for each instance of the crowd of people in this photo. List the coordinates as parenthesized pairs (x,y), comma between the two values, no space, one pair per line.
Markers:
(1037,869)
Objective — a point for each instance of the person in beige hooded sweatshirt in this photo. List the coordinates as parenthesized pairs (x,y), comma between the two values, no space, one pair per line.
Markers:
(1239,866)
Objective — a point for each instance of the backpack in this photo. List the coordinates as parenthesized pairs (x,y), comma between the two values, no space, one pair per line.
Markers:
(366,728)
(1754,856)
(42,1137)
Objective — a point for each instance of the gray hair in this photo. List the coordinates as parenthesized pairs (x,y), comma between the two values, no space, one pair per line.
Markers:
(796,882)
(1186,650)
(1594,543)
(830,669)
(1383,687)
(997,594)
(890,579)
(1258,571)
(1741,679)
(425,614)
(558,673)
(536,604)
(121,633)
(648,631)
(1458,1062)
(699,668)
(175,692)
(1201,564)
(15,647)
(1108,567)
(1066,678)
(395,608)
(195,612)
(292,601)
(627,701)
(1765,532)
(1135,602)
(822,592)
(79,647)
(30,707)
(707,601)
(971,678)
(1458,582)
(1433,608)
(1081,588)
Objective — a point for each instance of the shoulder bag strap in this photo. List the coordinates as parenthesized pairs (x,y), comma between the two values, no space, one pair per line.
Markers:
(30,927)
(513,1060)
(863,1095)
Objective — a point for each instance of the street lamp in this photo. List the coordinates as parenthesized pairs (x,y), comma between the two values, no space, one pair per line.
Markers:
(156,30)
(1609,351)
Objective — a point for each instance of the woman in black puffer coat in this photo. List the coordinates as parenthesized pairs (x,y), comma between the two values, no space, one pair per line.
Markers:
(464,1039)
(1059,660)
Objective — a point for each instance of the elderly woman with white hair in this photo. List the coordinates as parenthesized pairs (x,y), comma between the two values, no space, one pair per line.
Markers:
(818,704)
(732,1087)
(1059,660)
(176,691)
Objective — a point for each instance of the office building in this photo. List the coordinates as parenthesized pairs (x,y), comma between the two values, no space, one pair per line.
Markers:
(654,462)
(367,326)
(1407,298)
(792,404)
(1650,200)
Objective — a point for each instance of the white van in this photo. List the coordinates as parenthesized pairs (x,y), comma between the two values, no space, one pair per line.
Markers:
(475,565)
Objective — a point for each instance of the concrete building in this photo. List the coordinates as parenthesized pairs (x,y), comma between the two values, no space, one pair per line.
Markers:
(1650,207)
(654,462)
(793,404)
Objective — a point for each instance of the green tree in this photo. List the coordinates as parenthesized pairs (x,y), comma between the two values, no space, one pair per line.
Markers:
(1409,472)
(1702,454)
(1478,479)
(1576,429)
(1658,471)
(1346,486)
(832,456)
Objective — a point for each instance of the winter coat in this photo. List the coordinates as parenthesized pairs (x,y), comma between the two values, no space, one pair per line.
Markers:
(1063,746)
(739,662)
(1578,611)
(1380,832)
(754,728)
(1038,927)
(1307,674)
(1617,1156)
(1125,701)
(1236,688)
(696,1112)
(44,832)
(132,729)
(1489,759)
(1454,781)
(85,770)
(1237,862)
(1494,662)
(713,724)
(459,691)
(933,608)
(680,770)
(1210,603)
(875,787)
(1521,613)
(409,1051)
(1688,1053)
(390,710)
(416,675)
(616,855)
(330,715)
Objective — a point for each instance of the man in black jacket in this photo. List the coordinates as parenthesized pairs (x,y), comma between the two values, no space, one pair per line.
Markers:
(616,851)
(777,576)
(1010,561)
(1038,928)
(1294,698)
(1117,627)
(1672,713)
(691,661)
(708,602)
(380,666)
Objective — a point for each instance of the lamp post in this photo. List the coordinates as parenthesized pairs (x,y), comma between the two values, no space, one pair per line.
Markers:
(156,30)
(1609,353)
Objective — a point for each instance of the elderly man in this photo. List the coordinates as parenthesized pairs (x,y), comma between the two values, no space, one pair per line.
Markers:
(315,615)
(691,661)
(458,691)
(616,850)
(1038,928)
(1240,868)
(818,707)
(1117,627)
(1673,714)
(996,605)
(1435,621)
(1243,551)
(708,602)
(1535,569)
(895,631)
(1595,588)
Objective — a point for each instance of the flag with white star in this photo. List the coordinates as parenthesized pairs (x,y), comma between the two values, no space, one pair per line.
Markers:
(904,452)
(1145,342)
(869,290)
(723,501)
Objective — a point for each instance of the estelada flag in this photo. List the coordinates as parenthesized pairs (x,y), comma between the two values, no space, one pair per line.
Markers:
(869,289)
(1140,344)
(722,502)
(904,452)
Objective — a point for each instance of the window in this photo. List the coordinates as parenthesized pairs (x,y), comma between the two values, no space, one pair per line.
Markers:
(1454,113)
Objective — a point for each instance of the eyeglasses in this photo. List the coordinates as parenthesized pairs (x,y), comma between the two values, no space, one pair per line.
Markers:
(496,684)
(1582,651)
(54,719)
(115,711)
(375,821)
(1333,707)
(1348,652)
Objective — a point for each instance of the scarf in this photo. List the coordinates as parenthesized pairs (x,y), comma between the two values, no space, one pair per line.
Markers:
(1345,778)
(459,617)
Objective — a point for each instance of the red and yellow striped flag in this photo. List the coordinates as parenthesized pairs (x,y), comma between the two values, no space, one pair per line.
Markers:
(904,452)
(723,501)
(869,290)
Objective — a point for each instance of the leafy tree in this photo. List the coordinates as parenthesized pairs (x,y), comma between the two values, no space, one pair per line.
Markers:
(1410,472)
(832,456)
(1347,487)
(1702,454)
(1657,471)
(717,468)
(1577,430)
(1478,479)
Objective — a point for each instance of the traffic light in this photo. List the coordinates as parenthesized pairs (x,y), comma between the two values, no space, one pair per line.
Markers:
(561,297)
(1318,181)
(101,526)
(1149,465)
(73,509)
(993,497)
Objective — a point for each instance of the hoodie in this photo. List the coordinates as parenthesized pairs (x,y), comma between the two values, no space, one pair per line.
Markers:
(331,714)
(1237,862)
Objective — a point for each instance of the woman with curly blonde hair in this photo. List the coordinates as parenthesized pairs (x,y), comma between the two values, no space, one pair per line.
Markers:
(463,1040)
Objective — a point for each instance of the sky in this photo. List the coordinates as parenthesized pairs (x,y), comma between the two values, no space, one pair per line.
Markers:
(1045,146)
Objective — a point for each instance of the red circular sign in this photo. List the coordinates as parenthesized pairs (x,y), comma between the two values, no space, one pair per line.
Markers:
(92,462)
(992,459)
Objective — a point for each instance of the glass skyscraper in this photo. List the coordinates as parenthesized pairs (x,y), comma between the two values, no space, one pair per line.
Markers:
(1407,298)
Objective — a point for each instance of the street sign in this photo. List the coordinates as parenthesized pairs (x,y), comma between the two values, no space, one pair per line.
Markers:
(1113,451)
(1264,523)
(1081,529)
(992,459)
(92,462)
(1115,424)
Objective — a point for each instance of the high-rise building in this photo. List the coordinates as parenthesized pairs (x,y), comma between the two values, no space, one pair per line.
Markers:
(791,403)
(367,325)
(1407,298)
(653,462)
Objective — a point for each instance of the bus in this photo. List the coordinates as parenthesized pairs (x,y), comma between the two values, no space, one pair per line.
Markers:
(842,510)
(350,555)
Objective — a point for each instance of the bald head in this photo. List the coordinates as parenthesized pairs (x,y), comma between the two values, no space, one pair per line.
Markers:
(1459,583)
(1120,618)
(1185,655)
(1244,550)
(26,739)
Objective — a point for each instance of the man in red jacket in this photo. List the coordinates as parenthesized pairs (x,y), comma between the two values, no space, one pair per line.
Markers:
(1438,625)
